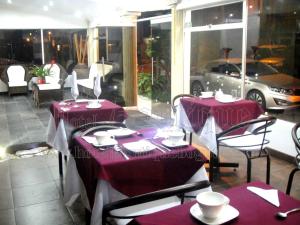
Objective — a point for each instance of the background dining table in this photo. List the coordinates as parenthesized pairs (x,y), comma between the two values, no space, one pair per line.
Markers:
(253,210)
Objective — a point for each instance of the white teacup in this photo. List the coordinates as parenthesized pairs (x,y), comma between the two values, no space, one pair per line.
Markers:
(212,203)
(207,94)
(102,137)
(93,103)
(175,136)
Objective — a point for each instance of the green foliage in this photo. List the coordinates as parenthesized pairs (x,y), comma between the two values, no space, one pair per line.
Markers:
(157,91)
(39,71)
(144,84)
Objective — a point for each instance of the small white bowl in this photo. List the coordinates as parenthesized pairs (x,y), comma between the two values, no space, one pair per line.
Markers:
(211,203)
(175,136)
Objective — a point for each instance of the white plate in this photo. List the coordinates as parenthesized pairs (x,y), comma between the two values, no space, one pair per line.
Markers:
(93,106)
(82,100)
(227,214)
(121,132)
(169,144)
(109,142)
(141,146)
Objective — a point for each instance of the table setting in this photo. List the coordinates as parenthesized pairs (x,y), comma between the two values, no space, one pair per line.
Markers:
(137,162)
(252,204)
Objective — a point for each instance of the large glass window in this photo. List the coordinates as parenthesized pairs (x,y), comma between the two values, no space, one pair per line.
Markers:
(59,45)
(20,46)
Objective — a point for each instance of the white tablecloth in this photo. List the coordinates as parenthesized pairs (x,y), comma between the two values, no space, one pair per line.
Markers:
(105,193)
(57,137)
(206,135)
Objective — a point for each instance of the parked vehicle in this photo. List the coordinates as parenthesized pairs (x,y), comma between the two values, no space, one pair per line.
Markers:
(263,83)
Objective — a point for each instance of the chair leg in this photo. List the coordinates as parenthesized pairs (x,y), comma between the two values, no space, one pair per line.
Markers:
(211,167)
(60,165)
(291,177)
(268,169)
(249,165)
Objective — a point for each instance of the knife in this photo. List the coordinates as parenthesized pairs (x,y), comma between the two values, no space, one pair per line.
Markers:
(159,145)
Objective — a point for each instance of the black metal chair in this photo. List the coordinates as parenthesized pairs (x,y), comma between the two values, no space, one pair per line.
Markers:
(112,210)
(252,143)
(296,139)
(174,105)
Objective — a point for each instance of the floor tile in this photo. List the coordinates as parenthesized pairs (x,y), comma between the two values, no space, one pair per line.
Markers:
(6,199)
(30,176)
(7,217)
(48,213)
(34,194)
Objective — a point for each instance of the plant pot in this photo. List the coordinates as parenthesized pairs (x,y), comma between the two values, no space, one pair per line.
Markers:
(41,80)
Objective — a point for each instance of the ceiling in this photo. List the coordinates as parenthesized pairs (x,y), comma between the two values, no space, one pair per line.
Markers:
(88,12)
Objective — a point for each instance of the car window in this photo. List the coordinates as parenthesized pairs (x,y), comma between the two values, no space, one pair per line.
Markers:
(228,69)
(258,69)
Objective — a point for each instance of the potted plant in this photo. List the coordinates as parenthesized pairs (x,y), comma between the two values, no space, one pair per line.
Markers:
(40,73)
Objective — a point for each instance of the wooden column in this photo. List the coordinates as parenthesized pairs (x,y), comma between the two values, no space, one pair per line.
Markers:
(130,65)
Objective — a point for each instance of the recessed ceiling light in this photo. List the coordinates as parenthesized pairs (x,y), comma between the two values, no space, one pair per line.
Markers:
(51,3)
(45,8)
(9,2)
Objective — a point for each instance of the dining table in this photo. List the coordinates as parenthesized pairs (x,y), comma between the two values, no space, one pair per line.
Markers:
(70,114)
(250,209)
(103,175)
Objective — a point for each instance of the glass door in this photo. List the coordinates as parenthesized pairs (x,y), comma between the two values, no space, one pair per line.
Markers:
(154,66)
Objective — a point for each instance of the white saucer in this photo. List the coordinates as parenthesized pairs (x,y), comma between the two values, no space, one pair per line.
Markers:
(121,132)
(169,144)
(93,106)
(227,214)
(108,142)
(206,96)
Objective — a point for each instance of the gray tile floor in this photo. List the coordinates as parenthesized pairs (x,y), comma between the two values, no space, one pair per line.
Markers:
(30,189)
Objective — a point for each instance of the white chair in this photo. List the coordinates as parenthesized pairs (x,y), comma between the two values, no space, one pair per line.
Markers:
(53,87)
(16,79)
(86,86)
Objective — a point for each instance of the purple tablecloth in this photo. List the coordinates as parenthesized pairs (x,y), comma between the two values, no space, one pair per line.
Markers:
(253,210)
(141,173)
(225,114)
(81,115)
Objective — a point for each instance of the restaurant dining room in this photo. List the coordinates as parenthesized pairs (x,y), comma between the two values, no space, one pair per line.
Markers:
(162,112)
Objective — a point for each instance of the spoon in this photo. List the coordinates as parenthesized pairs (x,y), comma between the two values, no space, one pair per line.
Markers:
(284,215)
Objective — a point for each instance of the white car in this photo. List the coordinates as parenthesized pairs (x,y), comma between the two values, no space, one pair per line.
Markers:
(264,84)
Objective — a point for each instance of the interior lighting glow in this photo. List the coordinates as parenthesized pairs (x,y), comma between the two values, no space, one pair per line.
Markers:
(9,2)
(295,12)
(77,14)
(28,39)
(51,3)
(45,8)
(2,152)
(231,15)
(49,33)
(250,6)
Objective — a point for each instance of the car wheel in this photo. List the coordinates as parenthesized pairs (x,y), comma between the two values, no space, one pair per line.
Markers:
(196,88)
(257,96)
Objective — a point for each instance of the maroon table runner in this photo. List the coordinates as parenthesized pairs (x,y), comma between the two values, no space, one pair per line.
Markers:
(141,173)
(225,114)
(253,210)
(81,115)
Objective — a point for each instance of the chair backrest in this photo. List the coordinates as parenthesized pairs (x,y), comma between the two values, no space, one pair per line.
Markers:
(257,127)
(150,197)
(296,139)
(54,73)
(16,73)
(90,128)
(176,99)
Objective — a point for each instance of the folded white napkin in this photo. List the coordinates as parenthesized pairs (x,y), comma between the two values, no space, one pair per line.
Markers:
(64,109)
(269,195)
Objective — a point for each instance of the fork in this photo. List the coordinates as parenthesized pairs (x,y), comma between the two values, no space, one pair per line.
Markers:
(117,148)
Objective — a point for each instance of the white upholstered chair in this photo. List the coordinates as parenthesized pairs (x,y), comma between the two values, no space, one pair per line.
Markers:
(16,79)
